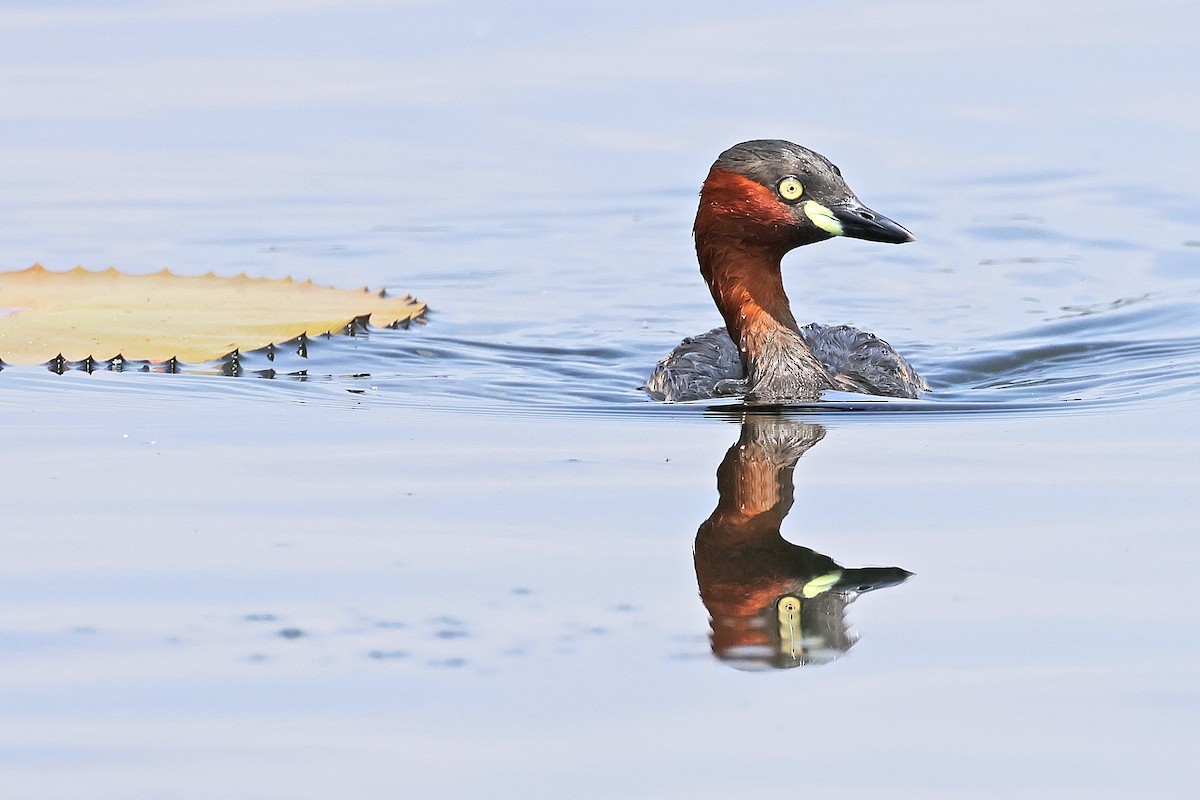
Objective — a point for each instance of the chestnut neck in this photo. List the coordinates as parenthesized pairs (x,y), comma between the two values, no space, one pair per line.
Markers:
(742,233)
(746,282)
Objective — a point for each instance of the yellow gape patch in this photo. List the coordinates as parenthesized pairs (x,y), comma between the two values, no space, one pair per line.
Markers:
(822,217)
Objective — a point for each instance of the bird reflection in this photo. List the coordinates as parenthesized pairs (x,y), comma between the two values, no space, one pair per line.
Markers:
(773,604)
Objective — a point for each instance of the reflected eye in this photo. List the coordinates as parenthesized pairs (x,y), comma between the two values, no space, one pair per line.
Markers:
(790,188)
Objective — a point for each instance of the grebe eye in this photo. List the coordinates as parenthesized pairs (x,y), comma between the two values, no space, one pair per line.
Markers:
(790,188)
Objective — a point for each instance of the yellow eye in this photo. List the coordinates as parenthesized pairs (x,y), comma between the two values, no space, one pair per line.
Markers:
(790,188)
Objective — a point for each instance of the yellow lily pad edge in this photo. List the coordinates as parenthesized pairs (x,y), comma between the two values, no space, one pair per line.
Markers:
(79,314)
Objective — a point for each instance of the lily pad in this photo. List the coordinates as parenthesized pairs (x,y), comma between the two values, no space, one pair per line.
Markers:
(80,314)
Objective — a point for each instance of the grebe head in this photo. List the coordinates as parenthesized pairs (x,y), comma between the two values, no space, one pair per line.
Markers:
(776,194)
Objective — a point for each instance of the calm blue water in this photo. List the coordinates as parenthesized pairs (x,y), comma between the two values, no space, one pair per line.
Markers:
(459,558)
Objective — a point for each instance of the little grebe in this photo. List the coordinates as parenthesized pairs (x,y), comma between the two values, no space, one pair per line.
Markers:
(762,199)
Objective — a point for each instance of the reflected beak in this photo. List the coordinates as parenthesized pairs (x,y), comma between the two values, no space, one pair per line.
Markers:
(860,222)
(868,578)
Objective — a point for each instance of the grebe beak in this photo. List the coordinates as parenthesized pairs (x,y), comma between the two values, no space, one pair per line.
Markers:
(860,222)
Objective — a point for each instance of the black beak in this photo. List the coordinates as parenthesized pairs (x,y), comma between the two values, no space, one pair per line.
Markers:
(860,222)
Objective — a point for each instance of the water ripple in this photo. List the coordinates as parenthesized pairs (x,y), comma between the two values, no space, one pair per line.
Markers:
(591,360)
(1125,351)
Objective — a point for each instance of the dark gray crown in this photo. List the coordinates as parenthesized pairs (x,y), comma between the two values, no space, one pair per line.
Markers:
(768,160)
